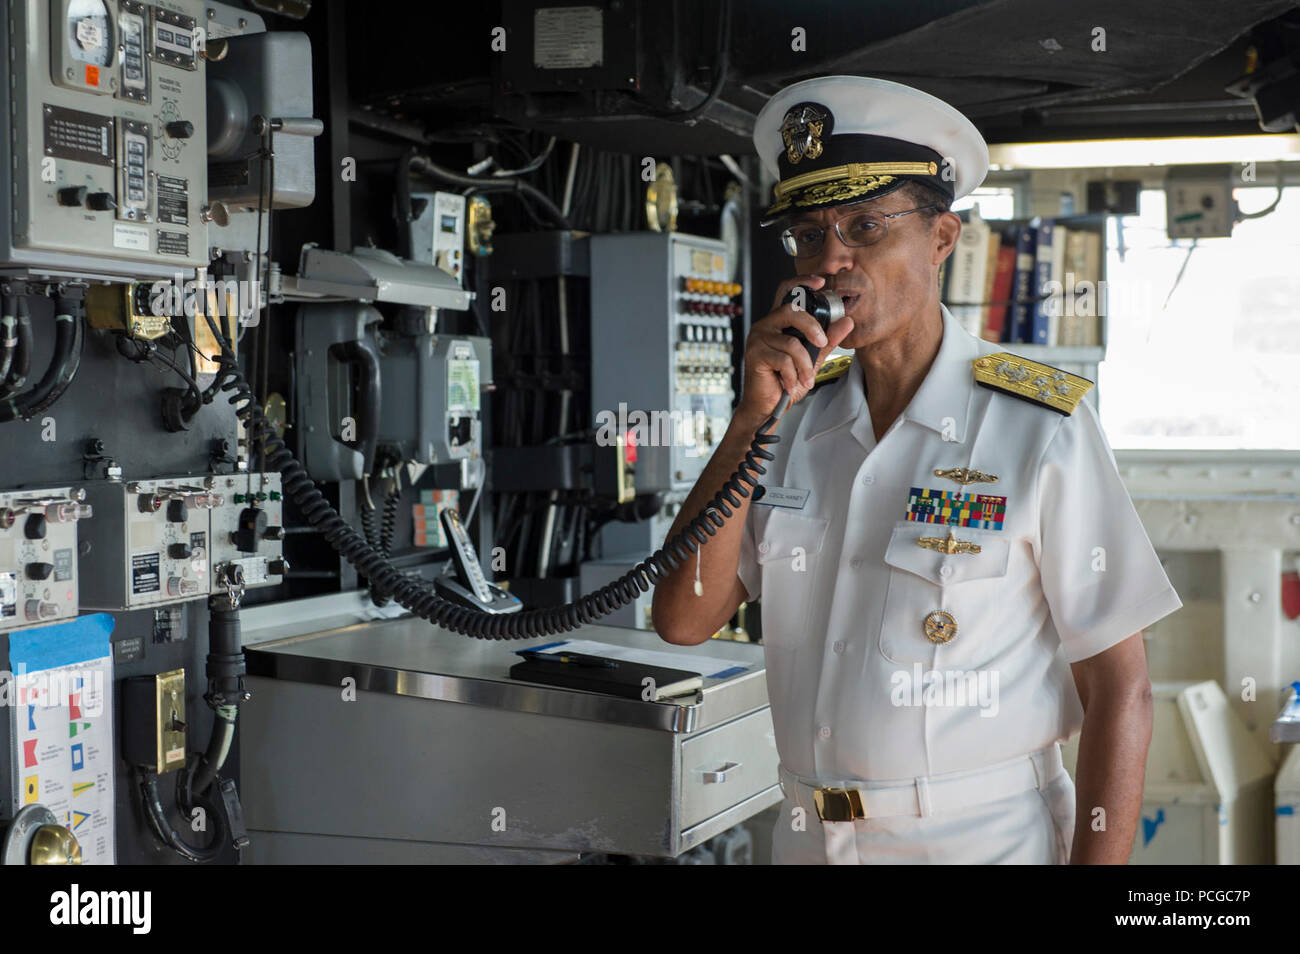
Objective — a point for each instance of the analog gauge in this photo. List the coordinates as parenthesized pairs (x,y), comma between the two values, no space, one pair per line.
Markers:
(90,32)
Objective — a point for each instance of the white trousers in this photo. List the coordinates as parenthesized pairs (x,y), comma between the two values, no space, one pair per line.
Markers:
(1032,827)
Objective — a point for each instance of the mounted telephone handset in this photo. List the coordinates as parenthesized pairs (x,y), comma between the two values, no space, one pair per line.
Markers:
(459,605)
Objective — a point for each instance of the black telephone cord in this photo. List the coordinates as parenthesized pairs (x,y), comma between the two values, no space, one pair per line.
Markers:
(416,596)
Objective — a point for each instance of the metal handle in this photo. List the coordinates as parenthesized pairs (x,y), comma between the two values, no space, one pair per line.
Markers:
(720,775)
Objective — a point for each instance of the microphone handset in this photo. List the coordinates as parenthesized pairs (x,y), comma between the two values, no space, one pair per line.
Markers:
(495,617)
(825,307)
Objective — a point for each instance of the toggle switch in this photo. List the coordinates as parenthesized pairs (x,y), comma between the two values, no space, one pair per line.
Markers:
(101,201)
(72,195)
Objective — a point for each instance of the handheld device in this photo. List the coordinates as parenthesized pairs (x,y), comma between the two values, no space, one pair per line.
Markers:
(466,584)
(824,306)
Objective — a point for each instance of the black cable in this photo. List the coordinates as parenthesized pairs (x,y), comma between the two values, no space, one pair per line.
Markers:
(68,340)
(168,835)
(425,166)
(721,68)
(389,527)
(373,539)
(62,378)
(8,334)
(416,596)
(194,400)
(214,757)
(22,351)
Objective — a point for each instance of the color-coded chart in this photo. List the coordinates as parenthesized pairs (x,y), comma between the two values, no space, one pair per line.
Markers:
(62,727)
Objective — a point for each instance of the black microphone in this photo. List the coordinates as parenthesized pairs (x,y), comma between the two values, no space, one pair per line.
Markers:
(824,306)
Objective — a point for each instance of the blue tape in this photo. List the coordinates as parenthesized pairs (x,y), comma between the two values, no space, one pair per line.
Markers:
(63,644)
(733,671)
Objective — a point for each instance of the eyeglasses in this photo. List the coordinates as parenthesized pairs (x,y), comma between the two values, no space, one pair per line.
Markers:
(857,231)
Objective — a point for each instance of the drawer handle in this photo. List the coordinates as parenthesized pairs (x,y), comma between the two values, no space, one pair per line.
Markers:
(720,775)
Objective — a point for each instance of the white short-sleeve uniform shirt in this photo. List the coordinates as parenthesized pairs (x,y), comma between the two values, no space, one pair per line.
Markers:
(1065,570)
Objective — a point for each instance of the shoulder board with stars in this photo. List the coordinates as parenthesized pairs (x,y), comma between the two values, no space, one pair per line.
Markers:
(1031,381)
(834,368)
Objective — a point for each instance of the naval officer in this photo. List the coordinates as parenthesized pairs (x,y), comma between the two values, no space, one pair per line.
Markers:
(953,577)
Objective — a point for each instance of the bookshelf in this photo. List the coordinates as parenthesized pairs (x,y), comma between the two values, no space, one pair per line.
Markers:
(1014,308)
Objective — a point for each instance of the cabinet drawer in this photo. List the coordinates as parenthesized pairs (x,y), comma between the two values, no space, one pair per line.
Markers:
(726,765)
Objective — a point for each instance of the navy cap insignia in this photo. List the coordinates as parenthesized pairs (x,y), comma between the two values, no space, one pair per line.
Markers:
(802,130)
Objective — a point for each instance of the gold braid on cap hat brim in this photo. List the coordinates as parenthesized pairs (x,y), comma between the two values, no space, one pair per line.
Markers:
(843,182)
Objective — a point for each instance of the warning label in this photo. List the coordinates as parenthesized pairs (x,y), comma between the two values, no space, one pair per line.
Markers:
(173,243)
(173,200)
(144,573)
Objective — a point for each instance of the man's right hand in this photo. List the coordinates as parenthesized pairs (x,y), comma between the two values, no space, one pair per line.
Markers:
(776,362)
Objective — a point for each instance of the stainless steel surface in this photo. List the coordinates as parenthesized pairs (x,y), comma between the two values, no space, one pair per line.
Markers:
(410,657)
(747,745)
(433,744)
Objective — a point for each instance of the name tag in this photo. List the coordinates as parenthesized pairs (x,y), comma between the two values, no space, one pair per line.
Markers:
(790,497)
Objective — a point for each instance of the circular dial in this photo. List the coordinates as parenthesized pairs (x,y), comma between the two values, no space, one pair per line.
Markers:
(90,32)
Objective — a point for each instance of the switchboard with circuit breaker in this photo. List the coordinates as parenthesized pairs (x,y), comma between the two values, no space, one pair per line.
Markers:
(107,138)
(664,308)
(38,554)
(159,542)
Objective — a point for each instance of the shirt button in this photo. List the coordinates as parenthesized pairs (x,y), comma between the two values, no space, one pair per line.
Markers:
(855,563)
(838,646)
(945,571)
(764,547)
(868,479)
(824,732)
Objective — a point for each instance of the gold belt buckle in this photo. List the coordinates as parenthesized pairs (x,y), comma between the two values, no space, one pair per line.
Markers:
(838,804)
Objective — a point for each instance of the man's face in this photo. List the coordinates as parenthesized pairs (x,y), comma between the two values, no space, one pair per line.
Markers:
(885,284)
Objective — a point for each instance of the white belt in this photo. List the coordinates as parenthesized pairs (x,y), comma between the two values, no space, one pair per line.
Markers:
(838,806)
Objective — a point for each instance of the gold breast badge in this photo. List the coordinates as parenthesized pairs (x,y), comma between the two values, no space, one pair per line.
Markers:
(964,475)
(949,544)
(940,627)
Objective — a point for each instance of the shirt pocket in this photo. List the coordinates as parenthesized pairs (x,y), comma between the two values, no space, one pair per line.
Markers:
(967,586)
(788,550)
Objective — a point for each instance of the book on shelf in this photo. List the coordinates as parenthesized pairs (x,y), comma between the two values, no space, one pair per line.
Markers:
(966,282)
(1027,282)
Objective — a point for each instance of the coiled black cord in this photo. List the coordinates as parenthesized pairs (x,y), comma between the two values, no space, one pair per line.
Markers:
(373,539)
(390,520)
(415,594)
